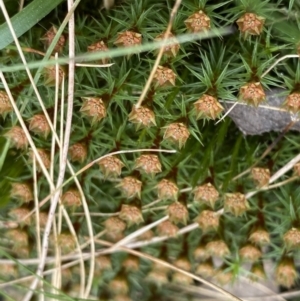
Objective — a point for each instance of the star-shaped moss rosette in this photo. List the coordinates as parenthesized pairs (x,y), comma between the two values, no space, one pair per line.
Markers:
(176,133)
(178,213)
(292,102)
(251,24)
(38,124)
(17,138)
(5,105)
(130,187)
(111,166)
(252,93)
(164,77)
(207,107)
(131,214)
(167,189)
(22,192)
(250,253)
(71,198)
(261,176)
(48,38)
(208,220)
(235,203)
(78,152)
(198,22)
(99,46)
(206,194)
(167,228)
(169,50)
(93,108)
(286,272)
(148,164)
(292,238)
(142,117)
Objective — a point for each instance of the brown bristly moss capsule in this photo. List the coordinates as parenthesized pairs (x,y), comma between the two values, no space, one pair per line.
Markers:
(142,117)
(131,264)
(48,38)
(297,169)
(164,77)
(118,286)
(217,248)
(45,157)
(257,272)
(128,39)
(49,73)
(207,107)
(235,203)
(21,192)
(18,215)
(114,224)
(130,187)
(205,269)
(292,102)
(78,152)
(167,190)
(198,22)
(38,124)
(252,93)
(172,49)
(250,253)
(5,105)
(149,164)
(111,166)
(176,133)
(182,279)
(200,253)
(71,198)
(178,213)
(208,220)
(259,236)
(99,46)
(66,242)
(131,214)
(292,238)
(206,194)
(251,24)
(286,273)
(18,236)
(260,176)
(17,138)
(167,228)
(93,108)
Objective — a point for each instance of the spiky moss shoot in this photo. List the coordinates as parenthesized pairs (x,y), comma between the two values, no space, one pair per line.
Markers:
(131,214)
(17,138)
(5,105)
(18,214)
(142,117)
(21,192)
(48,38)
(164,77)
(251,24)
(257,272)
(182,279)
(286,272)
(178,213)
(198,22)
(217,248)
(167,228)
(38,125)
(131,264)
(49,73)
(148,164)
(208,220)
(224,277)
(169,50)
(206,194)
(114,225)
(45,157)
(18,237)
(292,102)
(78,152)
(261,176)
(207,107)
(130,187)
(250,253)
(167,190)
(66,242)
(111,166)
(99,46)
(205,269)
(176,133)
(93,108)
(118,286)
(252,93)
(259,236)
(235,203)
(292,238)
(71,198)
(296,169)
(128,39)
(200,253)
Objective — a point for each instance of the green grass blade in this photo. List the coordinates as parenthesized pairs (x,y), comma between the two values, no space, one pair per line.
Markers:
(26,19)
